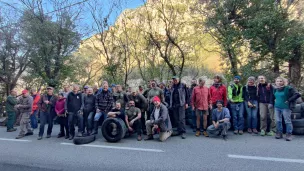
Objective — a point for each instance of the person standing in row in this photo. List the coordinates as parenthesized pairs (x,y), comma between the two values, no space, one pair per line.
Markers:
(11,102)
(200,103)
(89,111)
(154,91)
(251,105)
(235,96)
(66,90)
(25,104)
(120,96)
(73,106)
(266,102)
(191,110)
(179,102)
(285,98)
(35,110)
(62,116)
(218,91)
(47,109)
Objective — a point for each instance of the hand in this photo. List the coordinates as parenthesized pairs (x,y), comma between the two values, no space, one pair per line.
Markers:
(193,108)
(250,104)
(186,106)
(216,125)
(155,127)
(131,123)
(130,129)
(210,106)
(97,110)
(46,102)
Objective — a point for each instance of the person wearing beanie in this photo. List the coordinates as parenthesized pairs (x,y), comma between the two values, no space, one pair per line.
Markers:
(25,104)
(251,105)
(159,121)
(220,120)
(235,97)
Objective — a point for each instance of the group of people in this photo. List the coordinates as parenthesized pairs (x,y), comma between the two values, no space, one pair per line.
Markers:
(158,109)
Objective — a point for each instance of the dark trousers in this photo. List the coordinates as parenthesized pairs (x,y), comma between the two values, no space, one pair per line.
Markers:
(90,121)
(179,118)
(45,117)
(85,121)
(11,120)
(72,120)
(137,126)
(64,125)
(143,120)
(150,110)
(33,119)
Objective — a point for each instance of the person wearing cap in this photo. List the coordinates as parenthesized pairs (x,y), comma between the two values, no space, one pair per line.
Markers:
(133,119)
(235,97)
(88,111)
(154,91)
(179,101)
(120,96)
(62,117)
(159,121)
(251,105)
(200,103)
(33,118)
(220,120)
(141,103)
(74,109)
(66,90)
(11,102)
(47,112)
(25,104)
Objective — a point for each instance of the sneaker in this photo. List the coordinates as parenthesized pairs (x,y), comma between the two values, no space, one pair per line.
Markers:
(224,137)
(39,138)
(241,132)
(262,133)
(66,137)
(288,137)
(29,133)
(60,135)
(183,135)
(255,131)
(236,132)
(71,137)
(11,130)
(249,131)
(19,136)
(139,138)
(175,133)
(149,137)
(48,136)
(205,134)
(198,133)
(278,135)
(271,133)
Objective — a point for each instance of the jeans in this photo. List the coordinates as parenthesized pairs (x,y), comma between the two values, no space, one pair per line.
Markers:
(72,119)
(64,125)
(287,118)
(11,120)
(99,115)
(252,115)
(237,110)
(90,121)
(222,129)
(33,119)
(45,118)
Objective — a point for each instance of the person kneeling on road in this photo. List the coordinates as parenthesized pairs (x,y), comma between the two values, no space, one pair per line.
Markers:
(220,120)
(159,121)
(133,121)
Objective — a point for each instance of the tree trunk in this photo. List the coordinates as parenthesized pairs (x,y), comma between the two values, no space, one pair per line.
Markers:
(233,63)
(295,67)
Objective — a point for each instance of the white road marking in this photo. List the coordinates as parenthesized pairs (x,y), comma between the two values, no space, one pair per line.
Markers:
(16,140)
(119,148)
(267,158)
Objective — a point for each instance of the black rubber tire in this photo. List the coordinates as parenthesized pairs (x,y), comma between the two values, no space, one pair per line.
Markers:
(296,116)
(298,123)
(302,109)
(84,140)
(106,129)
(297,109)
(298,131)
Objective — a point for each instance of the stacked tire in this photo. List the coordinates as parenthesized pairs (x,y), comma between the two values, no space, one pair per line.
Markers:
(113,129)
(297,119)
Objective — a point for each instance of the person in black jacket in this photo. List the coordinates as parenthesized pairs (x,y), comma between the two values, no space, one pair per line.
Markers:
(88,111)
(285,98)
(73,107)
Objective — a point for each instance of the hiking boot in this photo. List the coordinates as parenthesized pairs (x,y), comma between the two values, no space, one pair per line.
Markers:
(235,132)
(19,136)
(241,132)
(71,137)
(224,137)
(198,133)
(271,133)
(183,135)
(48,136)
(149,137)
(60,135)
(288,137)
(79,134)
(175,133)
(205,134)
(255,131)
(66,137)
(29,133)
(278,135)
(262,133)
(139,138)
(12,130)
(249,131)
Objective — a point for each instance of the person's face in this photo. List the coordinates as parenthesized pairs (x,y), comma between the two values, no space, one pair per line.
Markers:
(34,92)
(90,91)
(75,89)
(14,93)
(153,84)
(131,103)
(236,81)
(156,103)
(60,96)
(95,88)
(134,93)
(140,88)
(161,86)
(85,91)
(262,79)
(216,80)
(49,91)
(193,82)
(250,82)
(119,88)
(66,88)
(202,83)
(118,105)
(280,82)
(25,94)
(219,105)
(105,87)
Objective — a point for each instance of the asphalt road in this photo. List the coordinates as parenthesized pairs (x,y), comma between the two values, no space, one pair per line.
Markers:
(238,153)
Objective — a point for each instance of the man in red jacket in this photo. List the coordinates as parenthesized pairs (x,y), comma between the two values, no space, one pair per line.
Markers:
(35,108)
(218,91)
(200,103)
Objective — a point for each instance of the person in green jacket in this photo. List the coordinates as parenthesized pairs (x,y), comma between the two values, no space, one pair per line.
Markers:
(235,97)
(11,102)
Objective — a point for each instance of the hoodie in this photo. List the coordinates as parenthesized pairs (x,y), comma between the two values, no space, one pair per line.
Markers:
(59,107)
